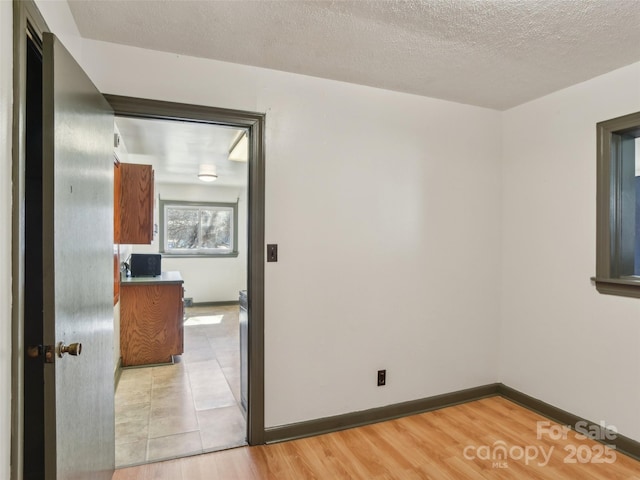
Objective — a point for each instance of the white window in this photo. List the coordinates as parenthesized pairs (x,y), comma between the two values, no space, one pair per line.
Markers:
(190,228)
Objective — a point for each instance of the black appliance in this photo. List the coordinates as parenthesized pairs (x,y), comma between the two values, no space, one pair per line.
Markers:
(244,349)
(145,264)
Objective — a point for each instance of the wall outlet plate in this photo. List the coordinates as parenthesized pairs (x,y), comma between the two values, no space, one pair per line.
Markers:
(382,378)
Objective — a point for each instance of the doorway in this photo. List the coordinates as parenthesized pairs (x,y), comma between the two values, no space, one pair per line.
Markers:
(192,405)
(254,125)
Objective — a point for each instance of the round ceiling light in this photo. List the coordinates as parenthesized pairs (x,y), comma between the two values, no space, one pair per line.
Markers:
(207,173)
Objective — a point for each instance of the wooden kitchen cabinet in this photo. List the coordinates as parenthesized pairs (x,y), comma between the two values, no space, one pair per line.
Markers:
(151,319)
(136,204)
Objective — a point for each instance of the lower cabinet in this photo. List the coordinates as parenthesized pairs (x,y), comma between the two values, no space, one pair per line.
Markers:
(151,322)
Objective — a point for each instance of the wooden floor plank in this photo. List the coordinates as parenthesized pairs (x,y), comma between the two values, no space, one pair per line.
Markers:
(491,438)
(200,466)
(236,463)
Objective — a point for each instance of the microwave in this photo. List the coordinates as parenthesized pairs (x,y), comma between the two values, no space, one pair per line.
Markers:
(145,264)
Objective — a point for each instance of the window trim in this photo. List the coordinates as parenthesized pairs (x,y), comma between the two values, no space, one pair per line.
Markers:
(162,247)
(609,278)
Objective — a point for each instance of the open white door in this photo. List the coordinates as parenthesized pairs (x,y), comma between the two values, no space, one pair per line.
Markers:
(78,263)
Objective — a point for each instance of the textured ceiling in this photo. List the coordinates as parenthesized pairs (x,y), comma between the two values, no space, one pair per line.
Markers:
(492,53)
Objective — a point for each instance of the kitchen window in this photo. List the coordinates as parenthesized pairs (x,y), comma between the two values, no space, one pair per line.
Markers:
(618,207)
(199,228)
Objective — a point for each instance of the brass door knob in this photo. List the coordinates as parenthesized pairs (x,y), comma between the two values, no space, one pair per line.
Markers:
(74,349)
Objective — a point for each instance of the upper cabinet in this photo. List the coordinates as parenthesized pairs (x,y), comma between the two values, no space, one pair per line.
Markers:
(116,201)
(136,204)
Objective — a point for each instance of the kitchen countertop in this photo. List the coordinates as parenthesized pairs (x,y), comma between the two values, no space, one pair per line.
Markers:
(164,278)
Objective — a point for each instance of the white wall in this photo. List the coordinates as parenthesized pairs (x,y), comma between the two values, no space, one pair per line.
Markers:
(60,21)
(206,279)
(386,210)
(562,341)
(6,102)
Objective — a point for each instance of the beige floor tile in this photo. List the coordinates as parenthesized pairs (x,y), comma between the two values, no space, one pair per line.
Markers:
(224,343)
(172,425)
(228,358)
(206,399)
(171,370)
(174,446)
(174,393)
(135,395)
(168,409)
(175,370)
(179,379)
(193,340)
(168,403)
(128,413)
(133,453)
(206,367)
(205,373)
(222,428)
(213,382)
(133,382)
(230,372)
(233,377)
(132,431)
(199,354)
(135,374)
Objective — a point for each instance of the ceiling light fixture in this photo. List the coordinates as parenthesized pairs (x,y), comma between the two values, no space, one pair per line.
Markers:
(240,149)
(207,173)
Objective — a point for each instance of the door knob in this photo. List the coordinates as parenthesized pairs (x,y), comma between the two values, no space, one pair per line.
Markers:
(74,349)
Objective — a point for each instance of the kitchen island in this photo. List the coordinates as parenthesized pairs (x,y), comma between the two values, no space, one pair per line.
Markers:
(151,319)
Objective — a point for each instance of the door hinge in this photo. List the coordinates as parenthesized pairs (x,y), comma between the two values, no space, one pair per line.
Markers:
(47,352)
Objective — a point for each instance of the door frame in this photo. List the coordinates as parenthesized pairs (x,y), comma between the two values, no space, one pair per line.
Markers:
(255,124)
(27,17)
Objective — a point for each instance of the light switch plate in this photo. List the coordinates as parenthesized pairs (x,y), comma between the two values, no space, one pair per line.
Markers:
(272,252)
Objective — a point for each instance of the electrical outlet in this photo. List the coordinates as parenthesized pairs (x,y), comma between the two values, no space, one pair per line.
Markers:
(382,378)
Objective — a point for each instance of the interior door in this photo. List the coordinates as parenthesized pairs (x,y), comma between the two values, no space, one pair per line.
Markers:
(77,270)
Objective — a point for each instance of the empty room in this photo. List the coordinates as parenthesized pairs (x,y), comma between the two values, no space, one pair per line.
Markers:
(439,237)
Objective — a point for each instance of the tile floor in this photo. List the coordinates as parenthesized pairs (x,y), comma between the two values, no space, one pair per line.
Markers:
(190,407)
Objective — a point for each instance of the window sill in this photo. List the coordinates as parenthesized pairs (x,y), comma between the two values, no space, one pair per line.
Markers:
(623,287)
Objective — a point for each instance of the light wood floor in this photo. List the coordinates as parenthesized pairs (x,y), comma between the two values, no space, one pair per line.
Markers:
(460,442)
